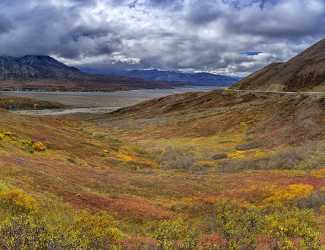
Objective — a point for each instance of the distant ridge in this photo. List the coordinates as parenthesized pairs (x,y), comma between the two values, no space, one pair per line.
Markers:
(39,72)
(304,72)
(194,79)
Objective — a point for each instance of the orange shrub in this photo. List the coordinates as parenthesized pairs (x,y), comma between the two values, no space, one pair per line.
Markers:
(39,147)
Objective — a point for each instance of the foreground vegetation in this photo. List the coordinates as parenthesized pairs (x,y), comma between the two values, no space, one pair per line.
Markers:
(28,224)
(231,174)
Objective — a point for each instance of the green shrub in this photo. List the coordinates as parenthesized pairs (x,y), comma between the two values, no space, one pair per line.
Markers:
(175,234)
(283,227)
(27,145)
(96,231)
(239,226)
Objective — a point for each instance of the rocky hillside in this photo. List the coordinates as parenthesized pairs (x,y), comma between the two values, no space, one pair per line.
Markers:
(35,67)
(304,72)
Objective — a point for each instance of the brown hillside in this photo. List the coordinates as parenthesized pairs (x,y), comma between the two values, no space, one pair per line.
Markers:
(304,72)
(273,119)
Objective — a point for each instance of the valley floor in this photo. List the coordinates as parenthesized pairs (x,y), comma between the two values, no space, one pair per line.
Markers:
(216,170)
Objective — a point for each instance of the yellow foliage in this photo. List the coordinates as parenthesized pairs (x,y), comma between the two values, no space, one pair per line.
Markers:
(3,135)
(257,193)
(320,173)
(9,134)
(292,192)
(39,147)
(96,231)
(237,155)
(322,209)
(125,157)
(17,200)
(248,154)
(202,148)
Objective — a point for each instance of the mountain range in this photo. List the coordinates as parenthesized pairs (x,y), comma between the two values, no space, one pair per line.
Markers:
(304,72)
(38,72)
(193,79)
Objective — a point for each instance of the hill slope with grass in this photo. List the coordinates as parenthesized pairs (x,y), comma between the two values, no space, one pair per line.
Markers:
(272,118)
(304,72)
(188,171)
(252,140)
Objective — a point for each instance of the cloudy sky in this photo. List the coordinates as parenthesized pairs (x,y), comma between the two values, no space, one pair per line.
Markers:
(220,36)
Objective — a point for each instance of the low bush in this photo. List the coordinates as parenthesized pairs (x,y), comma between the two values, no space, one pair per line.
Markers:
(292,229)
(278,227)
(26,232)
(175,234)
(305,157)
(39,147)
(174,158)
(31,147)
(239,226)
(25,224)
(16,201)
(96,231)
(248,146)
(315,200)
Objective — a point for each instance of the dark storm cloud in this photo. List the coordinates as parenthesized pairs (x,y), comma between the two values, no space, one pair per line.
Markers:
(256,17)
(198,35)
(50,28)
(166,3)
(88,41)
(5,25)
(203,12)
(281,20)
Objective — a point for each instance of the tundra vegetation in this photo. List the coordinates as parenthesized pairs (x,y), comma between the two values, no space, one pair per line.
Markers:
(217,170)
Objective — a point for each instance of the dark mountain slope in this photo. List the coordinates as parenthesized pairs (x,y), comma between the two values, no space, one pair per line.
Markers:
(305,72)
(35,67)
(48,67)
(11,68)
